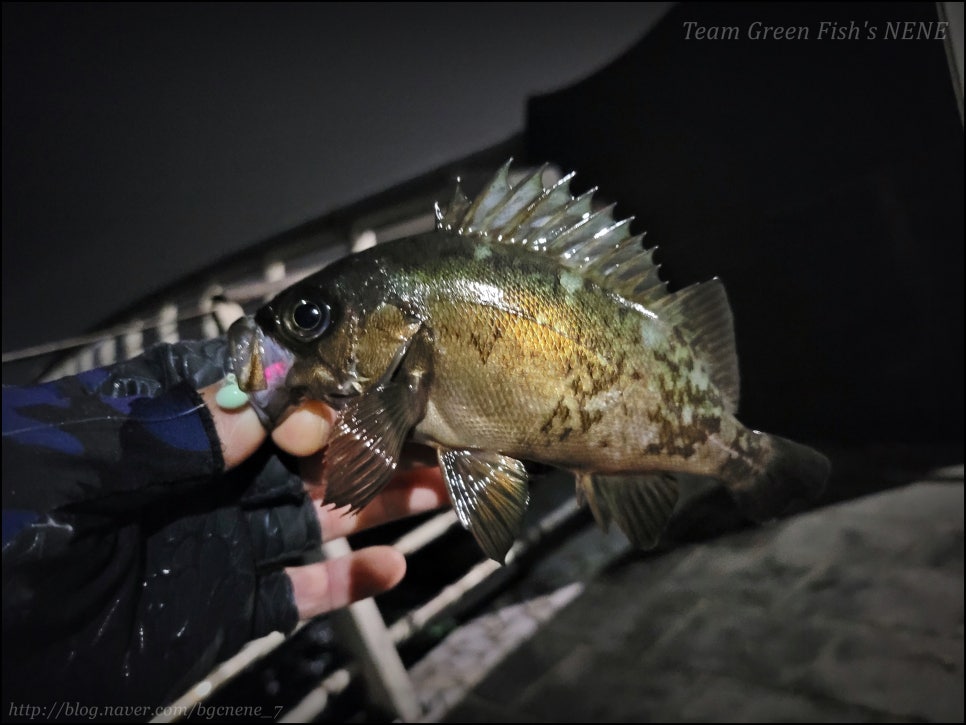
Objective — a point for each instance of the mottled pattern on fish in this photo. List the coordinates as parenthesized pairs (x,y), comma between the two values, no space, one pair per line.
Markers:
(528,326)
(538,363)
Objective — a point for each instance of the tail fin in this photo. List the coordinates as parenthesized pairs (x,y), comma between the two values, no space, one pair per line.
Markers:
(794,473)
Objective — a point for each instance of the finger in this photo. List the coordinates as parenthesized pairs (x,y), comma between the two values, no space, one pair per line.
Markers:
(239,431)
(414,455)
(306,430)
(329,585)
(411,492)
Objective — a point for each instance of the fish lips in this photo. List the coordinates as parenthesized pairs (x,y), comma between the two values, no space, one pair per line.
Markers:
(261,366)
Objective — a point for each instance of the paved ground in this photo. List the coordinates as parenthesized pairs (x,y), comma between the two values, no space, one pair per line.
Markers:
(852,612)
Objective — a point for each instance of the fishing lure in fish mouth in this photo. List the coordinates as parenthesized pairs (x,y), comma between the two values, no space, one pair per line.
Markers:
(259,366)
(528,325)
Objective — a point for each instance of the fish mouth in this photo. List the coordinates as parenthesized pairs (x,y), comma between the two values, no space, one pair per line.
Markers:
(261,366)
(342,397)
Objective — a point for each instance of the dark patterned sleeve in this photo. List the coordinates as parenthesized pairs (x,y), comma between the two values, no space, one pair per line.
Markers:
(69,445)
(132,562)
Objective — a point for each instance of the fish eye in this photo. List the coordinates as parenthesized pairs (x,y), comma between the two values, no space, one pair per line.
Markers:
(309,319)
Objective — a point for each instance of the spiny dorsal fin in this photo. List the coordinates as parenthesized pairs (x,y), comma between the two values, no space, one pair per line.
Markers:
(703,315)
(552,221)
(451,216)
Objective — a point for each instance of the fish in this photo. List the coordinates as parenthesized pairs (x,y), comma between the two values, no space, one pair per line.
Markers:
(529,325)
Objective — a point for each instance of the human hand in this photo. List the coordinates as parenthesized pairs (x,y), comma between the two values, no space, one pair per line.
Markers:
(131,598)
(325,586)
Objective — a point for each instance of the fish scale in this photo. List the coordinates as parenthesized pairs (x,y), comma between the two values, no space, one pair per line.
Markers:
(526,327)
(567,356)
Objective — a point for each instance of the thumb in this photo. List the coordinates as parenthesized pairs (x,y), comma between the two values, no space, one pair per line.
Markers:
(240,431)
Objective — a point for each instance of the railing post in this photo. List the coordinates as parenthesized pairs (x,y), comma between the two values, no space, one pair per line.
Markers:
(361,627)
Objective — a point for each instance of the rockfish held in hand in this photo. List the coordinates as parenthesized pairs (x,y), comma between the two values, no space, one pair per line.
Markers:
(527,326)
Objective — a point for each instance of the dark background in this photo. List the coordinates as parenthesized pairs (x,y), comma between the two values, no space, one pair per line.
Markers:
(822,180)
(143,142)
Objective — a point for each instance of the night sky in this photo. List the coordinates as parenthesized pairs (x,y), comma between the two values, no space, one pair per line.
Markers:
(141,143)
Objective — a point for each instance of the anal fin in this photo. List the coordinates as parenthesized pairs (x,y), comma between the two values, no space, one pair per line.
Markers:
(489,492)
(640,504)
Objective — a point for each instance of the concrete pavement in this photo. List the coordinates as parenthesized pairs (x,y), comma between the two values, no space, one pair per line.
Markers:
(853,612)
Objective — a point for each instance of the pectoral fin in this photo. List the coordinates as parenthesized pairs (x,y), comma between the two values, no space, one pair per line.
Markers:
(364,451)
(490,495)
(640,504)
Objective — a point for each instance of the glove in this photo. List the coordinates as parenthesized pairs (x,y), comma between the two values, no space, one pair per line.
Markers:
(130,597)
